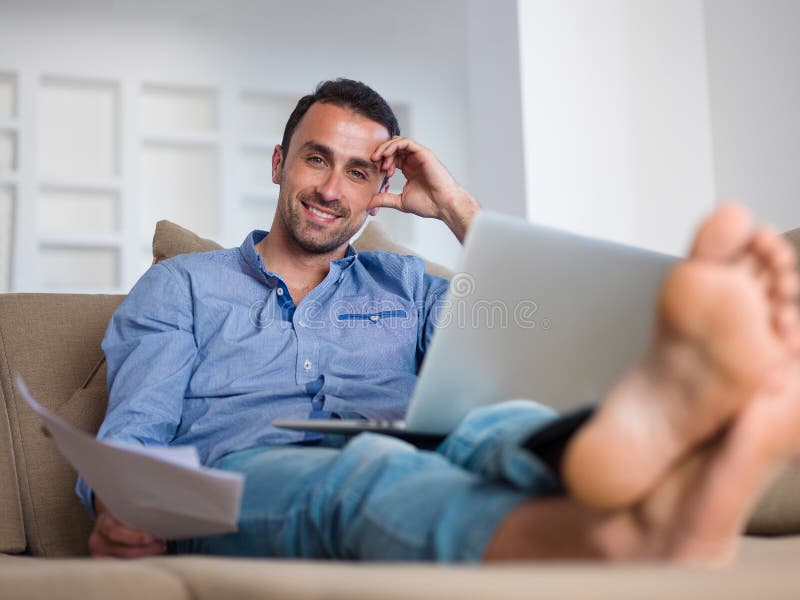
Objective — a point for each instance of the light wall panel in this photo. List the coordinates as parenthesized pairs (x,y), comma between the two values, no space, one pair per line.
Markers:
(78,269)
(76,212)
(264,115)
(8,152)
(8,97)
(180,183)
(78,132)
(6,235)
(255,170)
(254,213)
(167,108)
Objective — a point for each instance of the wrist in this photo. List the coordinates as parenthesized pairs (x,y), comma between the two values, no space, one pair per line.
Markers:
(458,212)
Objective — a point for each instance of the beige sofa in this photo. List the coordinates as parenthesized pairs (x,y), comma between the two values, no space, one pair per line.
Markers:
(53,340)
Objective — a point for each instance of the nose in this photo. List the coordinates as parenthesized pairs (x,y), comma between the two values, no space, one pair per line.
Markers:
(329,189)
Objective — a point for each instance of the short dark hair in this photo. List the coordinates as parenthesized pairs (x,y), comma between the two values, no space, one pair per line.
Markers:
(346,93)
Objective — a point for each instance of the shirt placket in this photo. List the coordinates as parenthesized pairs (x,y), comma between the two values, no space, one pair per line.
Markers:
(307,366)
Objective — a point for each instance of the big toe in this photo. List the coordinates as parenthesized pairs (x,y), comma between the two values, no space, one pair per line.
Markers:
(724,234)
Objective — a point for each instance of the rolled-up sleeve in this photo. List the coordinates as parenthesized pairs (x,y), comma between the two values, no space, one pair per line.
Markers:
(150,352)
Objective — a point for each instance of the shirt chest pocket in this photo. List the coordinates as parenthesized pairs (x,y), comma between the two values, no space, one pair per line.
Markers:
(374,317)
(374,335)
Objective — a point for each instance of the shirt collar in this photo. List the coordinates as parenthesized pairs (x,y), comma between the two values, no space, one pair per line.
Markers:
(253,258)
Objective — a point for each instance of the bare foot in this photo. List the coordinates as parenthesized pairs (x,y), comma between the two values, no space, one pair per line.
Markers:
(726,317)
(698,512)
(694,514)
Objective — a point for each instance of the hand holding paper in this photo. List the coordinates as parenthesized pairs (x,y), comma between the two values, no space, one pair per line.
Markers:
(161,490)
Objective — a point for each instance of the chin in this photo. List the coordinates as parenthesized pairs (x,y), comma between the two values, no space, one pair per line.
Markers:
(320,246)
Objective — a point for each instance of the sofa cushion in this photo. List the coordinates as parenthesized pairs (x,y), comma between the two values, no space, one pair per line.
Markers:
(25,578)
(374,237)
(170,240)
(778,512)
(53,341)
(765,570)
(794,237)
(12,530)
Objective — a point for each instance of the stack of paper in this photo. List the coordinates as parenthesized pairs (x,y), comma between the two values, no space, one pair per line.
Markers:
(162,490)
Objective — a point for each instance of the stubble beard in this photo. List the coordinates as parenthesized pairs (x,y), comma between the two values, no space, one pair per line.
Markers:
(294,221)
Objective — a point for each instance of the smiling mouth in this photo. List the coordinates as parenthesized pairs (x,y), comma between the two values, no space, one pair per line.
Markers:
(320,214)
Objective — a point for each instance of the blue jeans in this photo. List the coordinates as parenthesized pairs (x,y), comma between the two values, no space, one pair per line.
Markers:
(375,497)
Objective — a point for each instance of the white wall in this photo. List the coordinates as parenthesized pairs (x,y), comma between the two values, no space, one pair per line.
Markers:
(754,74)
(616,119)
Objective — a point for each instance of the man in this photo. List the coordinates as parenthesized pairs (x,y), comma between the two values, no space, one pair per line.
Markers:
(208,348)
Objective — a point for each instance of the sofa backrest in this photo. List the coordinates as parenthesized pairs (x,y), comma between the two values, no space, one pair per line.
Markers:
(53,341)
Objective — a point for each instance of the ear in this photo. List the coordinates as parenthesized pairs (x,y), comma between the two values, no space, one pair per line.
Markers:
(277,163)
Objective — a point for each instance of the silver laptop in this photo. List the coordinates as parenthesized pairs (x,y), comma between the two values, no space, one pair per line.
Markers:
(533,312)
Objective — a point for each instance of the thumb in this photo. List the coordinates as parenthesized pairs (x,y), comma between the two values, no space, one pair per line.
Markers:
(388,200)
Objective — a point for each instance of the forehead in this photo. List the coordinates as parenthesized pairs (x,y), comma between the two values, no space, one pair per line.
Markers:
(344,131)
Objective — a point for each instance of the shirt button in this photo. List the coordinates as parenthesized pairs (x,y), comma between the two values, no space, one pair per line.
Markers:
(373,317)
(279,291)
(307,365)
(301,323)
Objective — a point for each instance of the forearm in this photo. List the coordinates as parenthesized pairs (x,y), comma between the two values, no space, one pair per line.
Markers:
(458,212)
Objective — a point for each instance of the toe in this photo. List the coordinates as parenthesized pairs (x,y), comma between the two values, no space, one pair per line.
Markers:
(786,287)
(764,242)
(724,234)
(786,322)
(783,257)
(773,250)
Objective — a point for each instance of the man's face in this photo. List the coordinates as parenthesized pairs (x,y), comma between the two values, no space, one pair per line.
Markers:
(327,179)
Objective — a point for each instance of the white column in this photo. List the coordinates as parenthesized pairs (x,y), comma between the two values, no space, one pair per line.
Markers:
(616,118)
(496,157)
(754,73)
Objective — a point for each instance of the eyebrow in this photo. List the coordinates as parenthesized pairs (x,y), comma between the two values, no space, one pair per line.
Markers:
(328,154)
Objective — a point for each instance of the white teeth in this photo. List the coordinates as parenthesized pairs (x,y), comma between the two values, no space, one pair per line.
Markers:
(319,213)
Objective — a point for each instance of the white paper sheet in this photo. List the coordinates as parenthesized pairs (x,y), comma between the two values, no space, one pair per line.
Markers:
(161,490)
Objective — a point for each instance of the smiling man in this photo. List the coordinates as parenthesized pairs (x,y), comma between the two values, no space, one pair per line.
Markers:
(333,162)
(208,349)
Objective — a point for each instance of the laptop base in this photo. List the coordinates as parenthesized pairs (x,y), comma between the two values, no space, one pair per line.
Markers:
(352,427)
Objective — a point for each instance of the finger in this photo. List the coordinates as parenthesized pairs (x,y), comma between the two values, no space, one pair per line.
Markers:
(391,164)
(386,199)
(153,549)
(396,145)
(120,534)
(106,548)
(382,147)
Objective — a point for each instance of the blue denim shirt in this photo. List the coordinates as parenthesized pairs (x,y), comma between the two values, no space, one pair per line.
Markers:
(208,348)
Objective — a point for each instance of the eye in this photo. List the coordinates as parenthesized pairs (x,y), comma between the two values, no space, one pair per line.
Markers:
(358,174)
(315,160)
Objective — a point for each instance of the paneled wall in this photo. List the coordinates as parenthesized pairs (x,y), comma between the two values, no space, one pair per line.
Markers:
(92,207)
